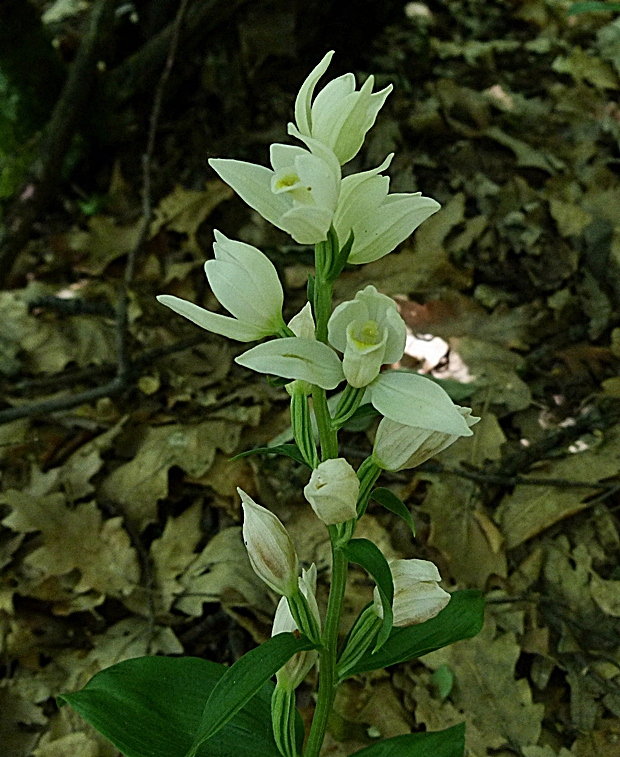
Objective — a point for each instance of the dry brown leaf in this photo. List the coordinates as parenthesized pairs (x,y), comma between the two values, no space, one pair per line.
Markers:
(183,210)
(173,552)
(529,510)
(103,243)
(486,688)
(74,539)
(140,483)
(460,528)
(222,573)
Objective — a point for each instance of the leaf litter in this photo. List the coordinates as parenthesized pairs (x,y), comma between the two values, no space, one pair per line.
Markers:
(119,521)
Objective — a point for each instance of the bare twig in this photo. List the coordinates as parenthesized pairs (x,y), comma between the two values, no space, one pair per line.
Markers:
(496,479)
(42,178)
(126,370)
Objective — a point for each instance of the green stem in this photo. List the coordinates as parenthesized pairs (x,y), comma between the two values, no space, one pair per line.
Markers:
(327,680)
(327,434)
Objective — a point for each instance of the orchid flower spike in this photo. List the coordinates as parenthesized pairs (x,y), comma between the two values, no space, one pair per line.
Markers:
(370,332)
(398,446)
(246,283)
(340,116)
(417,594)
(270,549)
(299,194)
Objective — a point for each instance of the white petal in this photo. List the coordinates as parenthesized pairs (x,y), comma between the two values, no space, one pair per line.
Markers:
(397,336)
(420,603)
(332,107)
(295,358)
(316,175)
(304,97)
(284,155)
(307,224)
(360,196)
(214,322)
(350,310)
(302,324)
(417,401)
(394,221)
(253,184)
(283,620)
(409,571)
(359,120)
(319,149)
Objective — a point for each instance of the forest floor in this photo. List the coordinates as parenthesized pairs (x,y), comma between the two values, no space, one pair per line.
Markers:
(120,519)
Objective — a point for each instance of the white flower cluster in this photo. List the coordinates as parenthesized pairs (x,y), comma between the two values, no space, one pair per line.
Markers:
(305,194)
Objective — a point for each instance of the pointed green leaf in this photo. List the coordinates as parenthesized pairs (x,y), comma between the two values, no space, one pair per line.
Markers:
(462,618)
(371,558)
(394,504)
(152,706)
(243,680)
(448,743)
(288,450)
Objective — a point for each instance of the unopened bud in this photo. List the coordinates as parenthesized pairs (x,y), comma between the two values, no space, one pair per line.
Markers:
(417,594)
(270,549)
(333,490)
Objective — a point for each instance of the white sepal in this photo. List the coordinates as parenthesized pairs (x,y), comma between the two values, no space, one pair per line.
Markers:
(295,358)
(417,594)
(333,490)
(370,332)
(379,221)
(415,400)
(270,549)
(398,446)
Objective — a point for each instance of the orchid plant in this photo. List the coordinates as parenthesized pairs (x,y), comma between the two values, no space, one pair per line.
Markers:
(186,707)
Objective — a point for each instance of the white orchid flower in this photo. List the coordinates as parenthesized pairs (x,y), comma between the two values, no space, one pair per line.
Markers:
(246,283)
(414,400)
(379,221)
(340,116)
(417,594)
(295,358)
(298,195)
(303,324)
(270,549)
(370,332)
(297,668)
(398,446)
(333,490)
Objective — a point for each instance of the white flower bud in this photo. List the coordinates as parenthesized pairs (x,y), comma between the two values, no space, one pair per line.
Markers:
(417,594)
(398,446)
(297,668)
(333,490)
(270,549)
(370,332)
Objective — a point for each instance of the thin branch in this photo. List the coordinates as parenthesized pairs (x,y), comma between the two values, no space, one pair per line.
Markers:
(42,178)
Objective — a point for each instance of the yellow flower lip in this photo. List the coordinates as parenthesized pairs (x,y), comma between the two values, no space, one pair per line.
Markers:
(367,336)
(286,182)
